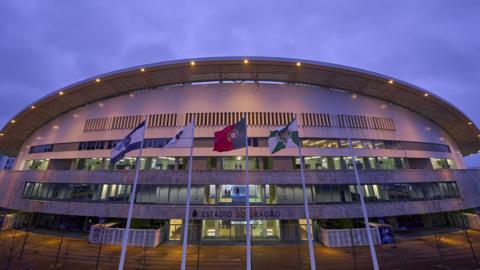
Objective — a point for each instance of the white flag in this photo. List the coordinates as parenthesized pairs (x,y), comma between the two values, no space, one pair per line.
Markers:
(184,138)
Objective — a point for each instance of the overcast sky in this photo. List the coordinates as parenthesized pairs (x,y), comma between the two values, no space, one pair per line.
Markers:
(45,45)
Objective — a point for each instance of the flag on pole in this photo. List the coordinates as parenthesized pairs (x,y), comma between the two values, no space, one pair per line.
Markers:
(231,137)
(131,142)
(183,139)
(284,137)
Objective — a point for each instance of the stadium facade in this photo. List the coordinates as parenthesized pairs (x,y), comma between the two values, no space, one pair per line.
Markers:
(408,145)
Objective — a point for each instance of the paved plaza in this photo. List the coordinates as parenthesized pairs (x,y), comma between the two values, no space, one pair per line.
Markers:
(450,251)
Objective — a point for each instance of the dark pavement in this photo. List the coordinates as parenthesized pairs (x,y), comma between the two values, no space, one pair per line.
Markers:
(450,251)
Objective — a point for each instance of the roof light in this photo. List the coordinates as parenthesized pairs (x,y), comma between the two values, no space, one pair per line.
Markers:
(60,93)
(192,63)
(32,107)
(142,70)
(299,64)
(1,134)
(390,81)
(470,123)
(97,79)
(425,94)
(13,121)
(245,61)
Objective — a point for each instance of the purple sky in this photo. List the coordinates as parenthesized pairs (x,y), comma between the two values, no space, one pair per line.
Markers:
(45,45)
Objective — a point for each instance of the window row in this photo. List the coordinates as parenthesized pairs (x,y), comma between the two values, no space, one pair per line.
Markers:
(255,142)
(239,163)
(374,144)
(148,143)
(41,148)
(236,194)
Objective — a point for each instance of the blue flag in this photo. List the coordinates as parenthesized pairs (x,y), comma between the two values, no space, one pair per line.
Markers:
(131,142)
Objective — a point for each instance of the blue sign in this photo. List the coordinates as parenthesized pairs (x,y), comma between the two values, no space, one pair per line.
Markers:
(386,234)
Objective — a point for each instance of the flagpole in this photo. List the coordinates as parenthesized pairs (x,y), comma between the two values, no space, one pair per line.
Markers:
(187,207)
(362,202)
(307,214)
(132,200)
(247,202)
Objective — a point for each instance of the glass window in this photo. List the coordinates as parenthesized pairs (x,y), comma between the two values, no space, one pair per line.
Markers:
(162,194)
(316,163)
(440,163)
(104,192)
(357,144)
(328,193)
(303,229)
(378,144)
(253,142)
(162,163)
(92,164)
(92,145)
(156,142)
(389,163)
(175,229)
(181,161)
(391,145)
(320,163)
(360,162)
(267,163)
(129,163)
(238,163)
(211,194)
(112,144)
(451,164)
(344,144)
(27,190)
(80,192)
(256,193)
(433,147)
(41,148)
(236,194)
(320,143)
(39,164)
(212,163)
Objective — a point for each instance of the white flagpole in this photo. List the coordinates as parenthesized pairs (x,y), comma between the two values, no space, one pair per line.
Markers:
(307,214)
(247,202)
(362,202)
(132,201)
(187,207)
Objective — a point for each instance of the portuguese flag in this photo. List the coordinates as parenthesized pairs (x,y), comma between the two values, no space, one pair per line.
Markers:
(231,137)
(284,137)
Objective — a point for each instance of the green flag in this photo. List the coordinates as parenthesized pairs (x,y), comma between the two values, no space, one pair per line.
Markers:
(284,137)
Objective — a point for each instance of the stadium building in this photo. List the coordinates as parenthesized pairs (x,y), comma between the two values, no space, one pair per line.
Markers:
(408,145)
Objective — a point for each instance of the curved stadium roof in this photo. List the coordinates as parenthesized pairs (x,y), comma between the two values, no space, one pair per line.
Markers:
(416,99)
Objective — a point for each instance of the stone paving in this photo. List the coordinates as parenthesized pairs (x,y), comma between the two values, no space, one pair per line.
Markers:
(41,251)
